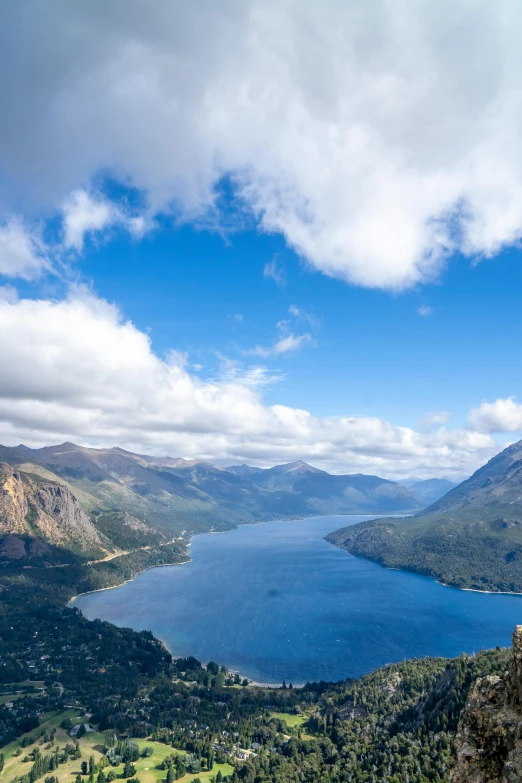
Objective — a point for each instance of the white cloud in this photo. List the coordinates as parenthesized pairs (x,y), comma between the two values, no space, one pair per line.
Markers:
(78,371)
(377,139)
(275,272)
(22,252)
(434,419)
(305,315)
(503,415)
(425,310)
(86,213)
(83,214)
(287,344)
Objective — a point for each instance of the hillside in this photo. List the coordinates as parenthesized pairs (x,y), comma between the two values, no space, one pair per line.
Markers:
(472,537)
(96,502)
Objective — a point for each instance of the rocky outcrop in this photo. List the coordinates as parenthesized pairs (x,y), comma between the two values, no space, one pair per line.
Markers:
(44,510)
(488,742)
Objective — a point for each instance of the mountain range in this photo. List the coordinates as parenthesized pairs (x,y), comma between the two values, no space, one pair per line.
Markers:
(471,537)
(430,490)
(94,503)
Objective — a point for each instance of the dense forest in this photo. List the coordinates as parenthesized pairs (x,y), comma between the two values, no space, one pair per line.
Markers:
(393,726)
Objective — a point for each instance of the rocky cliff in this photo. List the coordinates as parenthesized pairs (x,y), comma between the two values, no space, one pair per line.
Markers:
(488,742)
(35,512)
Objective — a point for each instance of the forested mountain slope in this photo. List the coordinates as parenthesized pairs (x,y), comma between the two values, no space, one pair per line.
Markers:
(472,537)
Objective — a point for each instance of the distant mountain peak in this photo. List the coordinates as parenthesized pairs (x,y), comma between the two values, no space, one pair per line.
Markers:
(298,465)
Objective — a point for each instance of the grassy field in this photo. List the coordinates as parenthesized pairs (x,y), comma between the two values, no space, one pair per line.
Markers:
(292,721)
(92,745)
(7,697)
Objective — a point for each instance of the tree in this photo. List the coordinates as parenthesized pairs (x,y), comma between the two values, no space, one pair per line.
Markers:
(92,765)
(84,768)
(129,770)
(78,778)
(1,761)
(170,775)
(219,777)
(101,777)
(131,751)
(108,739)
(81,731)
(212,667)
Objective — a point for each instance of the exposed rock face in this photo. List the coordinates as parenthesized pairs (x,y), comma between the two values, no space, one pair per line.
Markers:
(13,503)
(45,510)
(488,742)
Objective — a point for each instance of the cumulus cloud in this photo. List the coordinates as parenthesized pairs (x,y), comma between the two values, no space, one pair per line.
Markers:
(22,252)
(503,415)
(425,310)
(376,137)
(91,376)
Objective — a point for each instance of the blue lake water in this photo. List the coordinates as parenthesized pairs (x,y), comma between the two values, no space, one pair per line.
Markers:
(275,601)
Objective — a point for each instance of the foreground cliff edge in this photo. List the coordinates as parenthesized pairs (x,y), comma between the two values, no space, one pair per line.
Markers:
(488,742)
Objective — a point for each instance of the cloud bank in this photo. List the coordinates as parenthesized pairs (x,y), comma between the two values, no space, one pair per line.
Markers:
(378,138)
(92,377)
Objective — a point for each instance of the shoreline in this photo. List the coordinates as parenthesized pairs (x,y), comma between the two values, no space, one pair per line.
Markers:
(468,589)
(126,582)
(425,576)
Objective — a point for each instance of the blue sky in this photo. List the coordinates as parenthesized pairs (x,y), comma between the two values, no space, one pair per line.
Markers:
(374,353)
(263,231)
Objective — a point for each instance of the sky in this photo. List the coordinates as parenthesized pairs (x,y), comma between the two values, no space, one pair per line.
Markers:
(259,231)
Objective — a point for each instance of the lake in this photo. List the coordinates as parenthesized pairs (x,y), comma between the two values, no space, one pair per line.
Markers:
(275,601)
